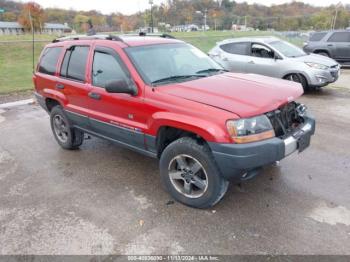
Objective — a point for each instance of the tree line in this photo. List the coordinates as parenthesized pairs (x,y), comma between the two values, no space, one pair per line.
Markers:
(221,14)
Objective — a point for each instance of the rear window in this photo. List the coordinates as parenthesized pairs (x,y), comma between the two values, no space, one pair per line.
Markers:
(74,63)
(340,37)
(49,60)
(236,48)
(315,37)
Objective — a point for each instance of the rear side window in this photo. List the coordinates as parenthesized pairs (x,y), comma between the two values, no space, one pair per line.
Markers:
(49,60)
(340,37)
(236,48)
(74,63)
(315,37)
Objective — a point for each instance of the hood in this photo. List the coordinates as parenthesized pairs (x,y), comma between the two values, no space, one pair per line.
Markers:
(319,59)
(243,94)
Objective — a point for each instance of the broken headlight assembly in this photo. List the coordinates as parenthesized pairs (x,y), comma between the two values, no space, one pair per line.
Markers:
(247,130)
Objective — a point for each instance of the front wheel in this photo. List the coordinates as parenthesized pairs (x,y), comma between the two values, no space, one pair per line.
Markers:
(190,174)
(298,78)
(323,54)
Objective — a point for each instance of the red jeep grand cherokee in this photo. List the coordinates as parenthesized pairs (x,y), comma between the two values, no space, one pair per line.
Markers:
(168,100)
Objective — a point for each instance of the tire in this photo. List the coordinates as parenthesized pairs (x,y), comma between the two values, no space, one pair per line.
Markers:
(298,78)
(66,136)
(323,54)
(183,157)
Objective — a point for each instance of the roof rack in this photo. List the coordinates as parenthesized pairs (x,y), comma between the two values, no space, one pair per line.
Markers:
(86,37)
(107,37)
(157,35)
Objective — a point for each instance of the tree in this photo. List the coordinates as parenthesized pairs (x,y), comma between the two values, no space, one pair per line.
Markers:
(32,11)
(9,16)
(80,21)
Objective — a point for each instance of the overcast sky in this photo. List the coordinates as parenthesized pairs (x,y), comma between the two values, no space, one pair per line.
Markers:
(132,6)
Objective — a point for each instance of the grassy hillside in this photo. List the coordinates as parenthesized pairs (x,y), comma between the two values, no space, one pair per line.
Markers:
(16,57)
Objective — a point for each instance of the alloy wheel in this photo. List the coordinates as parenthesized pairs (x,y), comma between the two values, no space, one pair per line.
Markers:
(61,128)
(188,176)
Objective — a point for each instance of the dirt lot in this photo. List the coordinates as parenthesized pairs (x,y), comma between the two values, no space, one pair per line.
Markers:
(104,199)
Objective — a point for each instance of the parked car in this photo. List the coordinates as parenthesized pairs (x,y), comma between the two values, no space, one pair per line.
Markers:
(274,57)
(334,44)
(166,99)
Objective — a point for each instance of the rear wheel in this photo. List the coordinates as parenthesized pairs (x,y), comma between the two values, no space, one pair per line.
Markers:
(298,78)
(66,136)
(190,174)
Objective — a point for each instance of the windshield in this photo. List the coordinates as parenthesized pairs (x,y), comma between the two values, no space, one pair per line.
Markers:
(167,63)
(287,49)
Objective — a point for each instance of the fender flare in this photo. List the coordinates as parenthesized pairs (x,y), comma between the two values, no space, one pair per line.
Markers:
(55,95)
(205,129)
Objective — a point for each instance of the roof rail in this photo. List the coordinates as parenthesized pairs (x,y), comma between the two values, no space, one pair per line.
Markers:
(157,35)
(85,37)
(107,37)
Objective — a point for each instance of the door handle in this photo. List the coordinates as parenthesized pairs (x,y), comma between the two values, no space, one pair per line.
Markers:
(94,96)
(251,62)
(60,86)
(329,45)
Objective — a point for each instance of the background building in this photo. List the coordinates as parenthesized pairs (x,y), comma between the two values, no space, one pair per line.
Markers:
(14,28)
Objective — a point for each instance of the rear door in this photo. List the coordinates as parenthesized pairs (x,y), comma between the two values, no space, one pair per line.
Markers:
(120,117)
(72,83)
(340,43)
(234,56)
(262,61)
(45,77)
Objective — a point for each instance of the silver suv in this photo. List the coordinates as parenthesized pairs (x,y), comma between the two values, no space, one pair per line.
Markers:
(334,44)
(274,57)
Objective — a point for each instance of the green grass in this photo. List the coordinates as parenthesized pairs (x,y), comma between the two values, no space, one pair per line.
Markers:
(16,57)
(16,66)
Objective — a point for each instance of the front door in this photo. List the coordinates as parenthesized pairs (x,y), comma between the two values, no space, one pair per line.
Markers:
(262,61)
(117,116)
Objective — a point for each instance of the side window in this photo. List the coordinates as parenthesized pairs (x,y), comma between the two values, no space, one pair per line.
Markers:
(107,68)
(236,48)
(74,63)
(262,51)
(340,37)
(315,37)
(49,60)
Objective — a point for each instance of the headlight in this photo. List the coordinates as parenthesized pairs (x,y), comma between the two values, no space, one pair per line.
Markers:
(248,130)
(317,66)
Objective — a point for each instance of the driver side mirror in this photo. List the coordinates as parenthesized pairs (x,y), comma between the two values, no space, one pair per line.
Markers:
(277,57)
(121,86)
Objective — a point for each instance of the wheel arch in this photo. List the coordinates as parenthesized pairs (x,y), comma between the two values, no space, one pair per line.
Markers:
(167,134)
(317,51)
(303,74)
(53,98)
(51,103)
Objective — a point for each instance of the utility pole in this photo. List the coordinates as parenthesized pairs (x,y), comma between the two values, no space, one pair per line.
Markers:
(336,14)
(33,42)
(152,26)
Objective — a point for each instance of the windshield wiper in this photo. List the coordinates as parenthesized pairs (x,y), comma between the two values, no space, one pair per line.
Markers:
(174,78)
(209,70)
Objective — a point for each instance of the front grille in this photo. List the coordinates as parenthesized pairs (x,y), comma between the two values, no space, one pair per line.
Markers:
(285,119)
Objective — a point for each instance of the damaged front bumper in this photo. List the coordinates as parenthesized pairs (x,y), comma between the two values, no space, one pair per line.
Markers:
(236,160)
